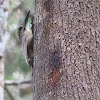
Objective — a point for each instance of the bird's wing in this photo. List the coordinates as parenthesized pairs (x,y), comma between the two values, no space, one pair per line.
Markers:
(28,50)
(24,45)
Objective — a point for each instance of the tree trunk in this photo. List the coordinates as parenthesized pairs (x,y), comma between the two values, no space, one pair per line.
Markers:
(67,50)
(4,36)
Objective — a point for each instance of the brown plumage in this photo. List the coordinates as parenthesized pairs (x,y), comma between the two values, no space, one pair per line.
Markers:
(26,37)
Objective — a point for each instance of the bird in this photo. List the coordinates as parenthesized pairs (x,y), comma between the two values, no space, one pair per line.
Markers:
(26,38)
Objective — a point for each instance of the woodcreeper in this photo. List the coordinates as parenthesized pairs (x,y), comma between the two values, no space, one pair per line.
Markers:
(26,38)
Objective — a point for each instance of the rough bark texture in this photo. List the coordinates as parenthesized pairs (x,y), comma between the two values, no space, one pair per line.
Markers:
(67,50)
(4,36)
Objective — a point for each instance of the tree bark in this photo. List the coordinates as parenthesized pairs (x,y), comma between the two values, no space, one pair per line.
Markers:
(66,50)
(4,36)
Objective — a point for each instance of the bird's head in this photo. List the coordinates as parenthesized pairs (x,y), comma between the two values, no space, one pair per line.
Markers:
(22,27)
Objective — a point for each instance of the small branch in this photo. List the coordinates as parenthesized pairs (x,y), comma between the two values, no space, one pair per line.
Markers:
(17,83)
(9,93)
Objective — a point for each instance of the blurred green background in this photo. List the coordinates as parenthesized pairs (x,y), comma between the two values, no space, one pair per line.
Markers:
(16,68)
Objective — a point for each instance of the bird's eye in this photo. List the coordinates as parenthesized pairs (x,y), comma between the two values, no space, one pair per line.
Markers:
(20,28)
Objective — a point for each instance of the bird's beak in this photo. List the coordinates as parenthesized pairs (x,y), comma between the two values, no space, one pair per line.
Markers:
(26,19)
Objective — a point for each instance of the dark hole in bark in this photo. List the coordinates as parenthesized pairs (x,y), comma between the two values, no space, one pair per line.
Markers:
(55,59)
